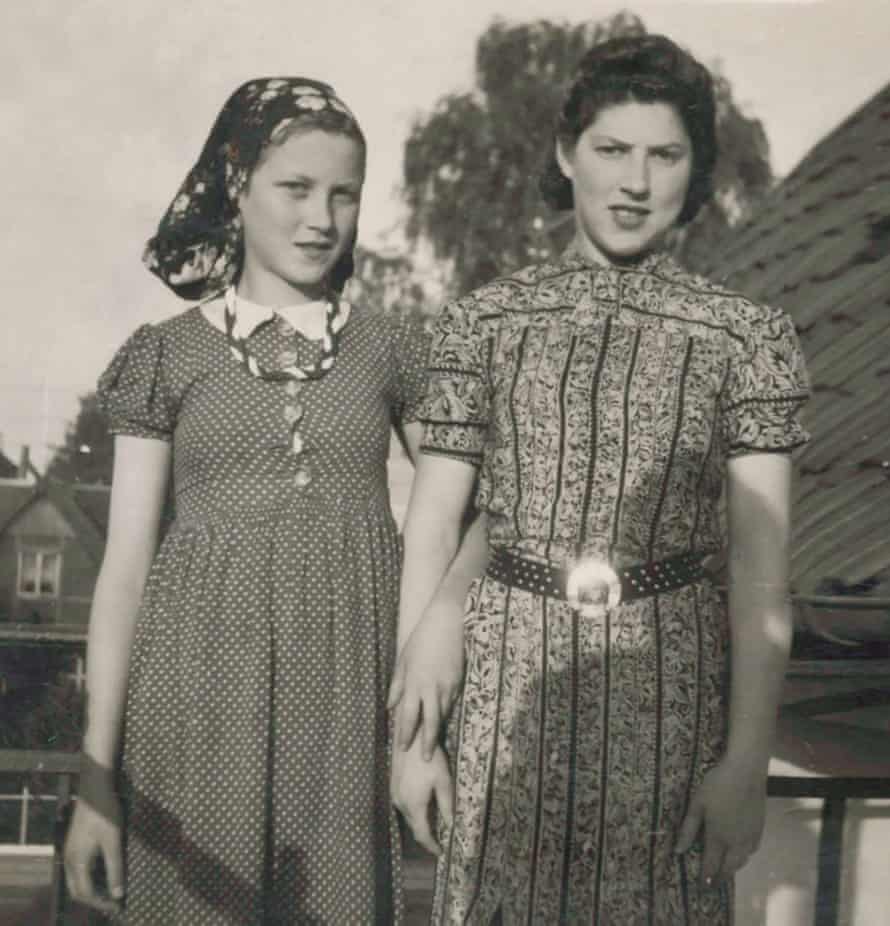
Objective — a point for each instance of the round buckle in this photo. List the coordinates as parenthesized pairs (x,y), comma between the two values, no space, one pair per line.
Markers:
(592,587)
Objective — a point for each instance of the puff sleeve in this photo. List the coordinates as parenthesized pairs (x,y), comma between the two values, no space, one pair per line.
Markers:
(456,410)
(765,387)
(411,347)
(133,391)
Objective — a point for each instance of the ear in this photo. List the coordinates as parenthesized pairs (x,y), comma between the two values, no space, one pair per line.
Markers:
(564,160)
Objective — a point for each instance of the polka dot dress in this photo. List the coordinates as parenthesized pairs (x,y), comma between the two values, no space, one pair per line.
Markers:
(255,750)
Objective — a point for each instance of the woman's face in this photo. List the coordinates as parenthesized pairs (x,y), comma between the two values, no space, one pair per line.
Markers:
(299,212)
(630,171)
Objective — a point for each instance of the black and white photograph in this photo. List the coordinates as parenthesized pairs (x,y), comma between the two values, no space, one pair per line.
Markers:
(445,463)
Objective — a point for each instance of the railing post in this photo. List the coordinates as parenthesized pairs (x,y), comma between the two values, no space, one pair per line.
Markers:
(60,822)
(831,845)
(23,817)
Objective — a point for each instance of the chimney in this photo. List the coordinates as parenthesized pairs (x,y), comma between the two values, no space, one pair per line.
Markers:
(25,462)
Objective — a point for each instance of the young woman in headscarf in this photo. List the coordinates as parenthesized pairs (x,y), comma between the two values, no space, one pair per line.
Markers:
(238,674)
(605,770)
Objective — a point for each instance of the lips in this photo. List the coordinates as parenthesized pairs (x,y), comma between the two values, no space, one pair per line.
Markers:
(629,217)
(314,249)
(315,245)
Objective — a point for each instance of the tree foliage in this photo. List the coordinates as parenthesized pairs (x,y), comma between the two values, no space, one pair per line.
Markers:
(87,454)
(471,166)
(41,709)
(387,282)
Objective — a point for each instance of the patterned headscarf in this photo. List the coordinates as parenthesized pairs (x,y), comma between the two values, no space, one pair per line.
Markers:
(198,248)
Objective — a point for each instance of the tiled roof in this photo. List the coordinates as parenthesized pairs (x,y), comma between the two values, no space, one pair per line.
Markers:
(84,507)
(93,501)
(820,248)
(14,495)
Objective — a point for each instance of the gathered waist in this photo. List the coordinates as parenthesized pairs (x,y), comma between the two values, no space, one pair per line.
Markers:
(327,506)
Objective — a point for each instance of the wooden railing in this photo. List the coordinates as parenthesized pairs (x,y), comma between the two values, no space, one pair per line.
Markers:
(833,791)
(65,766)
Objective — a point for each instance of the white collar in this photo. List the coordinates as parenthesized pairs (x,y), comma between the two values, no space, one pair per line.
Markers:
(251,315)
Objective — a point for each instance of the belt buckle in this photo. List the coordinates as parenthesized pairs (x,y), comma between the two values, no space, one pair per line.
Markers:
(592,587)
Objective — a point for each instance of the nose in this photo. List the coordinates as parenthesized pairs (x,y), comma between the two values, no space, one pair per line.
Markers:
(636,180)
(318,214)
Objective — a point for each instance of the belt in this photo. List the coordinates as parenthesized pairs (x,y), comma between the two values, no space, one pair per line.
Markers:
(590,585)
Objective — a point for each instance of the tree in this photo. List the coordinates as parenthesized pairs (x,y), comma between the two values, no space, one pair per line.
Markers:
(471,166)
(386,281)
(742,177)
(41,708)
(87,455)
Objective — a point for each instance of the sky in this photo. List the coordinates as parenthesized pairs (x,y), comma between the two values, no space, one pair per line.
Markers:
(105,105)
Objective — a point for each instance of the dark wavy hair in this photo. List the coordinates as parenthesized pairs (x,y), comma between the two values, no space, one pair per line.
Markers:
(642,69)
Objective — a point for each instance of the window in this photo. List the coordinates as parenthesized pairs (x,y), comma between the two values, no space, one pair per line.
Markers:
(39,574)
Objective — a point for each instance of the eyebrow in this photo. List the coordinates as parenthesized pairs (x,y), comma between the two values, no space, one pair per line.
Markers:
(620,143)
(610,139)
(307,179)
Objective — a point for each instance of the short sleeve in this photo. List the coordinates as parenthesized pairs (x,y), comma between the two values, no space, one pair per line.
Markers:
(412,347)
(132,391)
(456,410)
(765,388)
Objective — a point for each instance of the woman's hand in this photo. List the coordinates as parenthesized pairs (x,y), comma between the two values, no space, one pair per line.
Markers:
(94,833)
(428,676)
(415,781)
(730,807)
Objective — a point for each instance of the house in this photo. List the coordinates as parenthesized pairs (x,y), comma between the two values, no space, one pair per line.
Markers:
(52,537)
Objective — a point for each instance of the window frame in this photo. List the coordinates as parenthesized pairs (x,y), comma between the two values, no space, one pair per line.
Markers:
(41,574)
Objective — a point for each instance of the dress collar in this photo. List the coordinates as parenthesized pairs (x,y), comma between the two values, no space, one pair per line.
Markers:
(572,258)
(251,315)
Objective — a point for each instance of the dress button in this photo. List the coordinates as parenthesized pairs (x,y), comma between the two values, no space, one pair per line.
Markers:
(302,477)
(296,443)
(292,387)
(293,413)
(287,358)
(285,328)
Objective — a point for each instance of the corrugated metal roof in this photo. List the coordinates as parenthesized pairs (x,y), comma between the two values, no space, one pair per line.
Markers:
(820,248)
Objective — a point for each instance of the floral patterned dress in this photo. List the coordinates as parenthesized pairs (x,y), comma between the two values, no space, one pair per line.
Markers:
(255,749)
(601,405)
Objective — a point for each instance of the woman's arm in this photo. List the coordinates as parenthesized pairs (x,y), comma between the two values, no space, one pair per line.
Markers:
(138,491)
(431,650)
(139,487)
(430,667)
(410,436)
(429,671)
(730,804)
(759,492)
(440,494)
